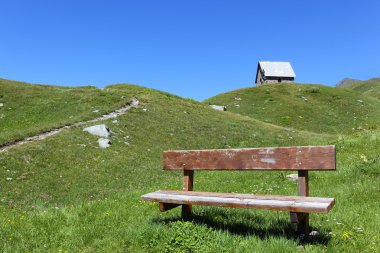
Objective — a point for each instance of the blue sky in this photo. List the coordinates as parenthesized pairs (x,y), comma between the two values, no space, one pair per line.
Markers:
(194,49)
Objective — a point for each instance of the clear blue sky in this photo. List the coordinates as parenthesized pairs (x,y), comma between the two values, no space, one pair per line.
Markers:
(192,48)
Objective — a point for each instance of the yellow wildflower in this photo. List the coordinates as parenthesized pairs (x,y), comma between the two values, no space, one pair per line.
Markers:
(364,158)
(346,234)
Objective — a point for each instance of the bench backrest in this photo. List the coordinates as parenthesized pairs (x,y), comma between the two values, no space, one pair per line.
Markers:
(280,158)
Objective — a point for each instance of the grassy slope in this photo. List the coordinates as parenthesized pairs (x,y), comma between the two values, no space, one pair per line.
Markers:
(68,195)
(307,107)
(29,109)
(370,87)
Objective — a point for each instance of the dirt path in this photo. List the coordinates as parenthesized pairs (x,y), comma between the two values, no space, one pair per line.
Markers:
(55,131)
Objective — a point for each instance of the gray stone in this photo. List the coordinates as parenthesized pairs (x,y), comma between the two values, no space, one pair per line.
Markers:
(219,107)
(104,143)
(292,177)
(98,130)
(313,233)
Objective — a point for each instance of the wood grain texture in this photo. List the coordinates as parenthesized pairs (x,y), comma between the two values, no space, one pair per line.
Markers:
(303,183)
(280,158)
(266,202)
(188,182)
(303,190)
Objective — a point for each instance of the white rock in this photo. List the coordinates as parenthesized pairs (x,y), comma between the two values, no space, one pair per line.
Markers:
(144,109)
(1,104)
(104,143)
(95,111)
(114,121)
(292,177)
(9,178)
(98,130)
(219,107)
(313,233)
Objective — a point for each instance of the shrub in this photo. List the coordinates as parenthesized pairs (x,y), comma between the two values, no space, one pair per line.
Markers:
(313,90)
(372,126)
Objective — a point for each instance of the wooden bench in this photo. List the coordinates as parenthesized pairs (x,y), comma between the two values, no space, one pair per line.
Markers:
(302,159)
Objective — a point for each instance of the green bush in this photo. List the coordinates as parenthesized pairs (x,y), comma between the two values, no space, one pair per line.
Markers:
(313,90)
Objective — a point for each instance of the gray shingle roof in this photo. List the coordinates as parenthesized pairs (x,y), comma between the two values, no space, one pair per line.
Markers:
(276,68)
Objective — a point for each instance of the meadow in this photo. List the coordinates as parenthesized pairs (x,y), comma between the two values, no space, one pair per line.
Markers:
(65,194)
(28,109)
(316,108)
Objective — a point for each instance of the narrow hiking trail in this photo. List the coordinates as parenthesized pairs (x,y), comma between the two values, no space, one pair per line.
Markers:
(41,136)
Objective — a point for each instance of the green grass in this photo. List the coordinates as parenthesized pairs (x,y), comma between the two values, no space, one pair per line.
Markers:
(30,109)
(314,108)
(370,87)
(67,195)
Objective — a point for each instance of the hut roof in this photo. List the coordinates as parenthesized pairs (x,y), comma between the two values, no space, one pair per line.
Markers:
(276,68)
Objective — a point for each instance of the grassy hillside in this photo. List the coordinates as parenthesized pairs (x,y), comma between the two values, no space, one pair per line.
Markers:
(370,87)
(27,109)
(315,108)
(64,194)
(169,122)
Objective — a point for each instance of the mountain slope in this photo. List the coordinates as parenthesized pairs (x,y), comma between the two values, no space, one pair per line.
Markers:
(306,107)
(346,82)
(28,109)
(370,87)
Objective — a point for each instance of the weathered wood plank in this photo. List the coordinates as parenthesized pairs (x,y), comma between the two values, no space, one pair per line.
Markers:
(188,182)
(266,202)
(247,196)
(303,190)
(280,158)
(303,183)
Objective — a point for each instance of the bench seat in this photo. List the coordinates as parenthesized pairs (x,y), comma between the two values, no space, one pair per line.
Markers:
(266,202)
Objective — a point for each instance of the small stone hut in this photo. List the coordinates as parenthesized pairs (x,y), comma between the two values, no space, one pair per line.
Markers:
(274,72)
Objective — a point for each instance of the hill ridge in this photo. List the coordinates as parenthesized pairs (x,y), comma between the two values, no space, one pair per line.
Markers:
(316,108)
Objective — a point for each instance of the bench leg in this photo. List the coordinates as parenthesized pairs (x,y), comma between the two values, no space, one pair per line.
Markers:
(302,220)
(186,212)
(303,226)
